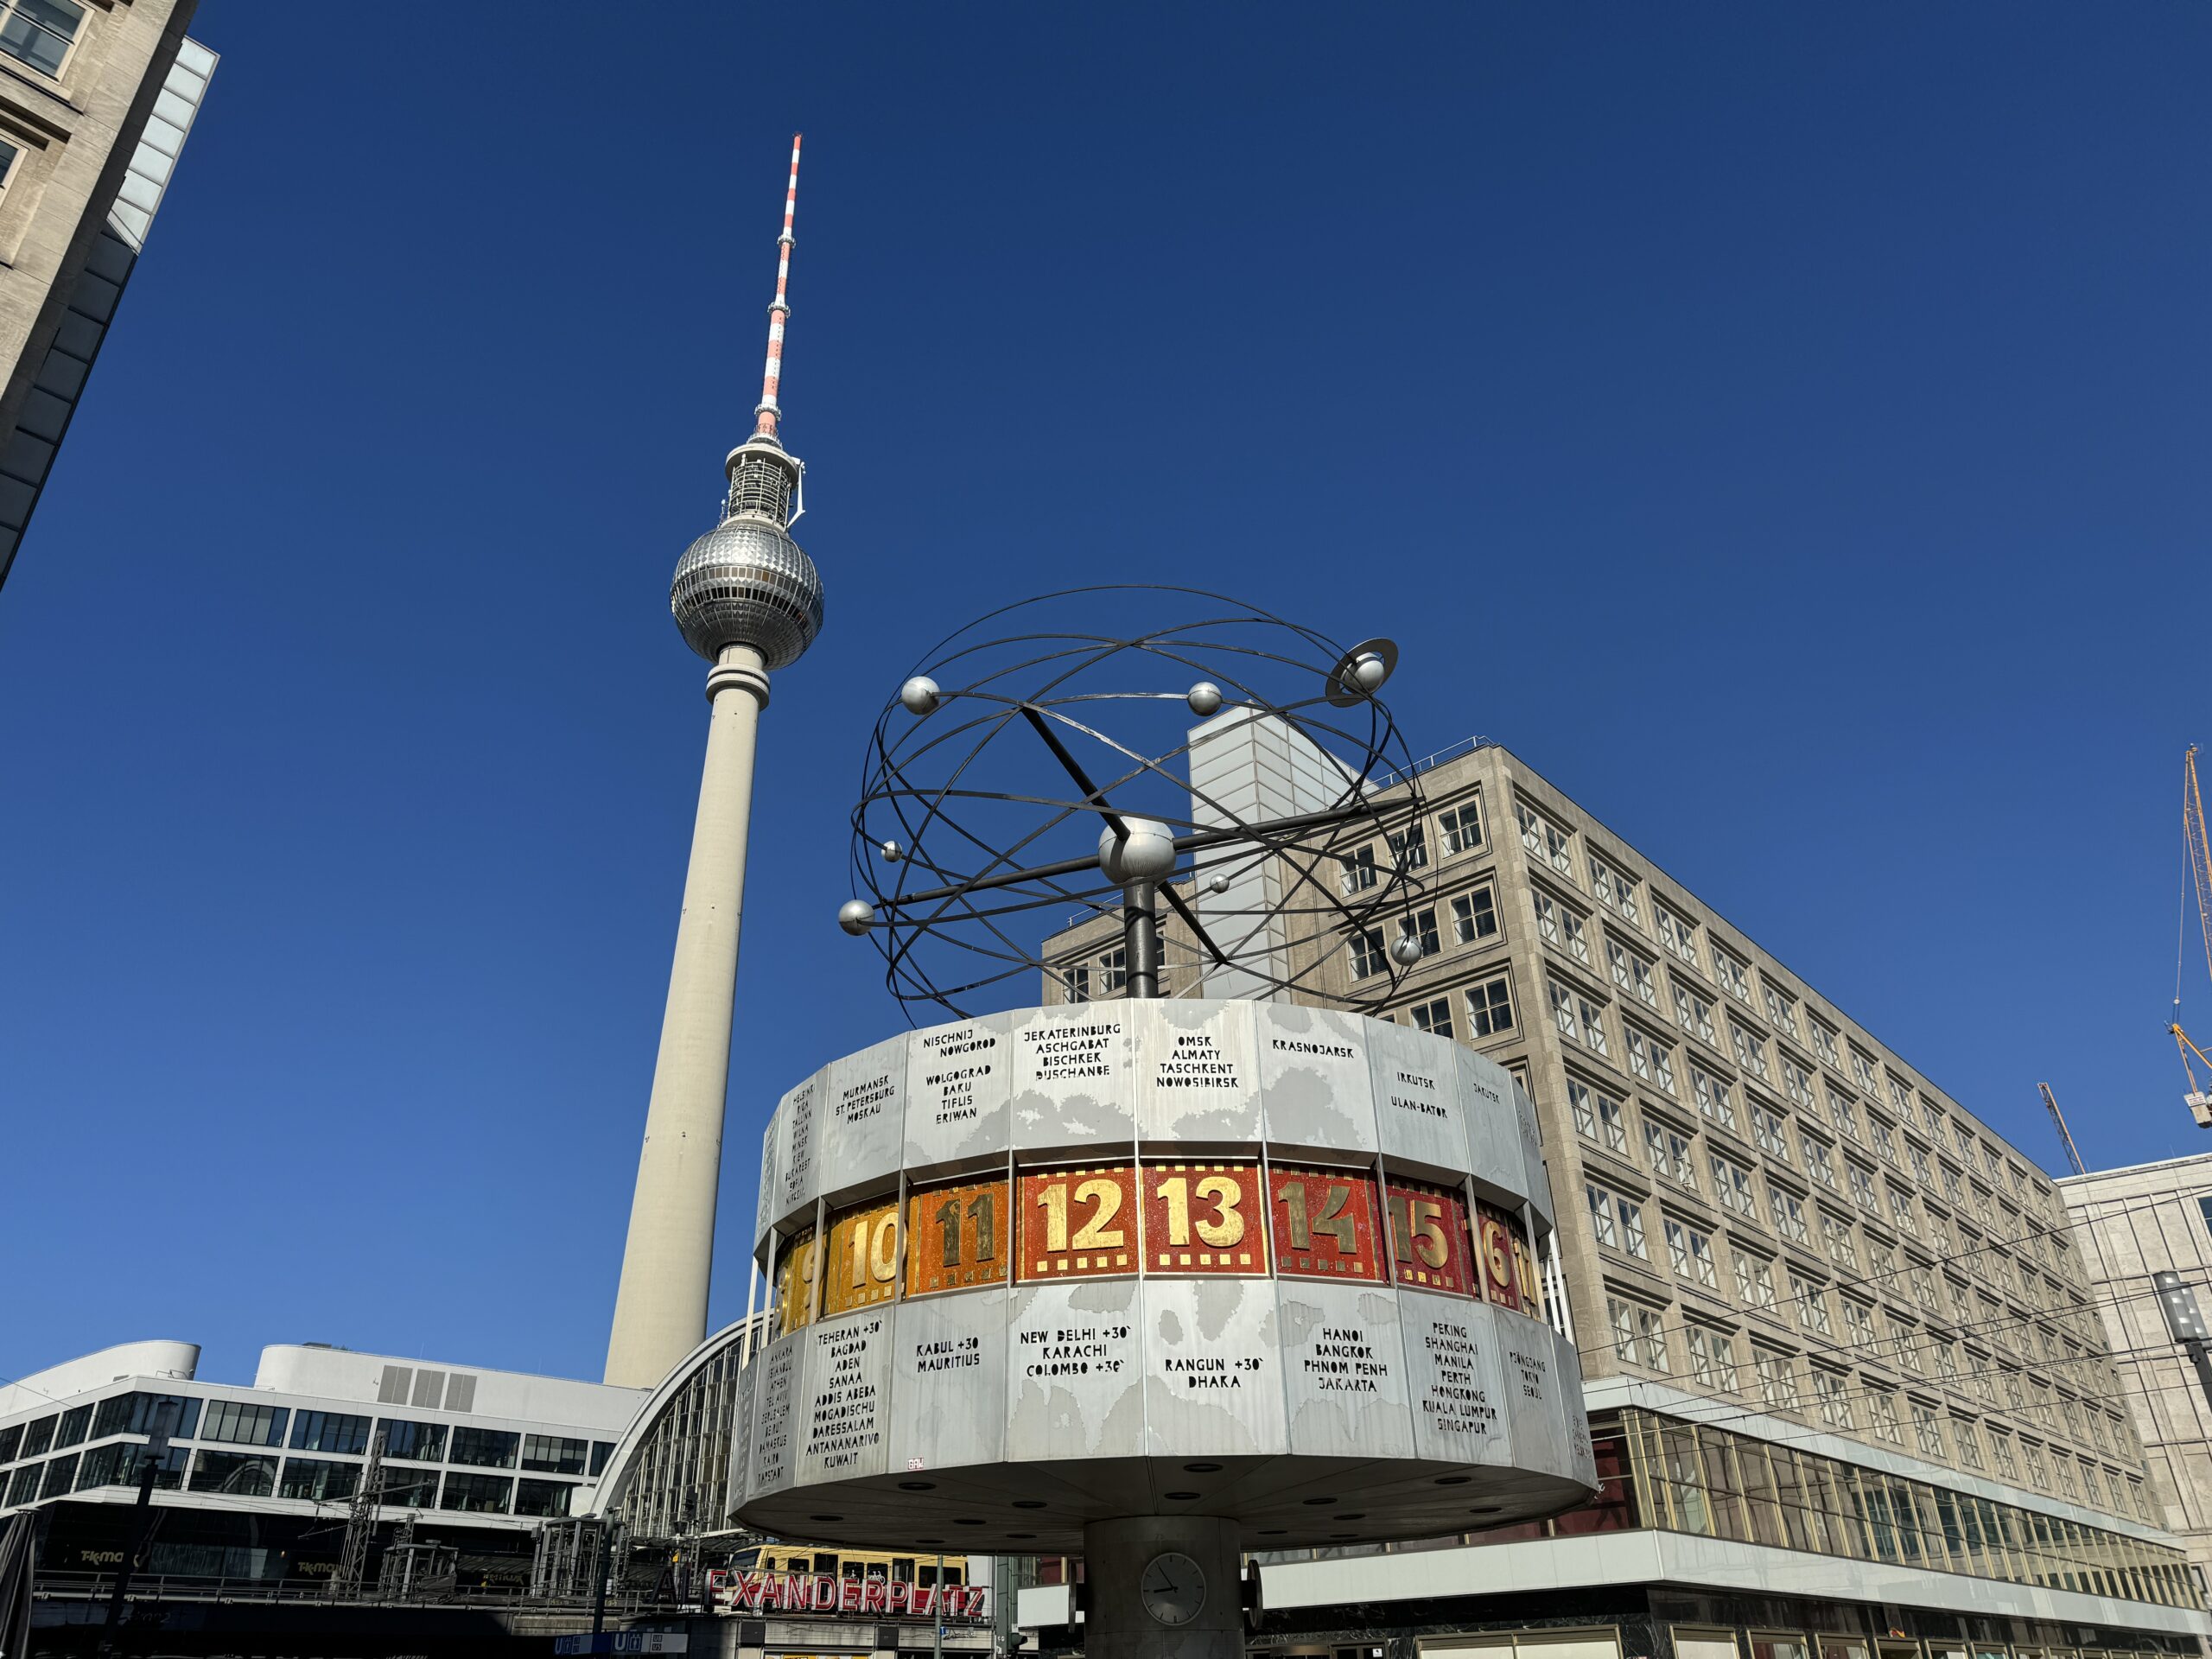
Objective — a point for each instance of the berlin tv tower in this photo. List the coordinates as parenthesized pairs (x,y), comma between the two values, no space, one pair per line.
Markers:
(749,601)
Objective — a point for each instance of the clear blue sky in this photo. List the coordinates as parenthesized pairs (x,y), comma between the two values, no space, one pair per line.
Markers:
(1784,426)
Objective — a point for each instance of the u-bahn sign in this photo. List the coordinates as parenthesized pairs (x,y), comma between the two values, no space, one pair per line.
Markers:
(1180,1256)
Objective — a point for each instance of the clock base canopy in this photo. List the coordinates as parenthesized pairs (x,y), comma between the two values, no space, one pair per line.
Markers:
(1162,1587)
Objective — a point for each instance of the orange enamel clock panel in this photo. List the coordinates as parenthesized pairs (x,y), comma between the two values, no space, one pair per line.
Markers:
(1429,1240)
(956,1236)
(1323,1224)
(1078,1223)
(1204,1218)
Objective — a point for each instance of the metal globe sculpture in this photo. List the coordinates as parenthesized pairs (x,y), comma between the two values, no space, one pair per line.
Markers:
(997,861)
(1170,1264)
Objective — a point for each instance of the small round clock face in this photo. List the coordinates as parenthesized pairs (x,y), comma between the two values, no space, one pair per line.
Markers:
(1173,1588)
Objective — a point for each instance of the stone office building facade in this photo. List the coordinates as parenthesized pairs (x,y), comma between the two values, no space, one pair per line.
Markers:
(1845,1374)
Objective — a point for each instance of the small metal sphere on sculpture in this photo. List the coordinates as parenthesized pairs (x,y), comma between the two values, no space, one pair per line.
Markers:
(1405,951)
(856,916)
(1143,850)
(1059,787)
(746,583)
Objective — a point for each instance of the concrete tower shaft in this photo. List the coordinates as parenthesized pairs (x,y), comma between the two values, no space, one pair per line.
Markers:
(748,601)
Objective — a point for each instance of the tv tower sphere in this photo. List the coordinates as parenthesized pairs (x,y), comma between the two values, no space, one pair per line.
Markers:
(746,583)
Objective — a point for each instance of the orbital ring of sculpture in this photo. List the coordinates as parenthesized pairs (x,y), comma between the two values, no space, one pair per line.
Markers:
(965,861)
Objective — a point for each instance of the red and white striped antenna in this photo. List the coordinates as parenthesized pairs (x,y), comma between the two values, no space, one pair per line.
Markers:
(768,413)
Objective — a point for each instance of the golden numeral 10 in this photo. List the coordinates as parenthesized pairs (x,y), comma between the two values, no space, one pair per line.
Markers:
(875,1250)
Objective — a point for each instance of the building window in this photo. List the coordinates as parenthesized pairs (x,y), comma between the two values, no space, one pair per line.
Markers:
(1833,1399)
(1544,838)
(1754,1280)
(1781,1009)
(1812,1302)
(1789,1213)
(1075,984)
(552,1454)
(1733,974)
(478,1494)
(1598,1115)
(2000,1451)
(1114,968)
(484,1448)
(1693,1014)
(1842,1249)
(1843,1115)
(244,1423)
(39,32)
(1901,1212)
(1615,889)
(1617,1221)
(1424,929)
(238,1473)
(1824,1043)
(1796,1081)
(1638,1337)
(414,1442)
(1369,955)
(1408,847)
(1677,935)
(1862,1188)
(1460,828)
(1777,1380)
(316,1480)
(1358,872)
(1474,916)
(1751,1048)
(1489,1007)
(1633,972)
(1964,1436)
(1690,1252)
(1712,1097)
(1669,1152)
(1819,1162)
(1712,1359)
(1731,1185)
(330,1430)
(1767,1128)
(1885,1144)
(542,1497)
(1862,1069)
(1435,1017)
(1882,1416)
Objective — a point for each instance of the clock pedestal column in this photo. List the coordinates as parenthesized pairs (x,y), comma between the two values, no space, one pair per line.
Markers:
(1127,1611)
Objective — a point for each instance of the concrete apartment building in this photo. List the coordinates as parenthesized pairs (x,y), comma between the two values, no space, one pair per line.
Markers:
(1842,1359)
(95,99)
(2131,1223)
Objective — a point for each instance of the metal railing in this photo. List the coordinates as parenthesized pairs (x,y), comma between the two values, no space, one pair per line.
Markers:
(97,1586)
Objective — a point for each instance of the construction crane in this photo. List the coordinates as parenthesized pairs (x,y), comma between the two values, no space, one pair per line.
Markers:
(2199,1097)
(2065,1134)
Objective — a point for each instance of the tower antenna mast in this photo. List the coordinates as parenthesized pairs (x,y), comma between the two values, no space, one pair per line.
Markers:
(768,414)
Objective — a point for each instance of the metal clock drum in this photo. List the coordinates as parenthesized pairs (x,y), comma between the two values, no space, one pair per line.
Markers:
(1048,1269)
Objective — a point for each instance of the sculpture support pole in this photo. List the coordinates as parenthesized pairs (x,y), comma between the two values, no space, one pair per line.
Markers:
(660,1310)
(1115,1624)
(1141,936)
